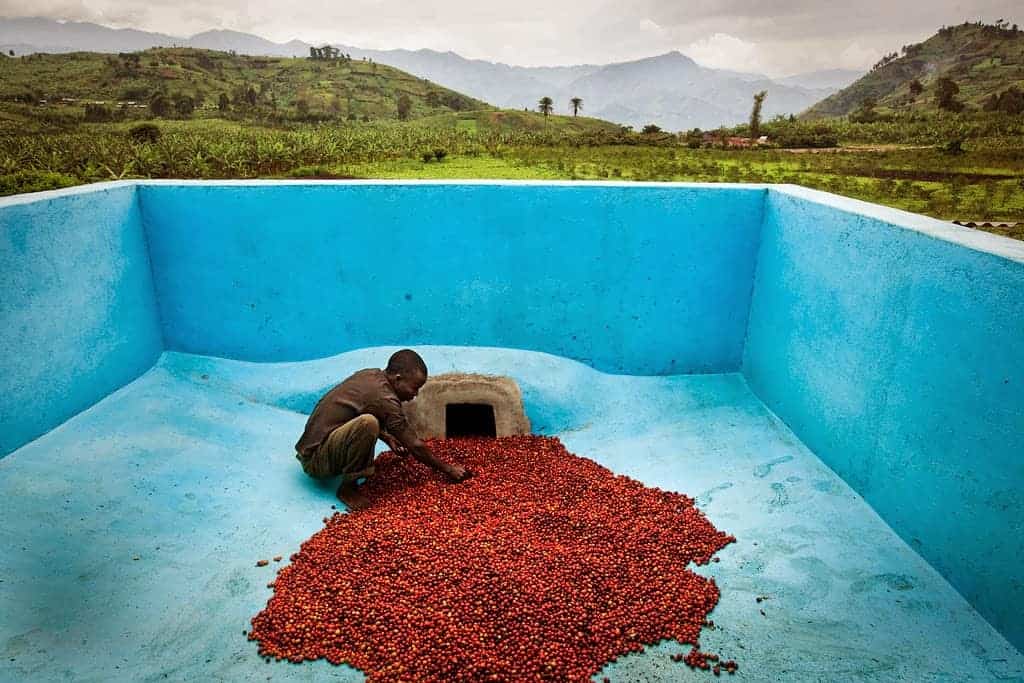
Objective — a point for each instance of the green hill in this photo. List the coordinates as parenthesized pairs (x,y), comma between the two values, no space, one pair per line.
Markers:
(256,87)
(40,90)
(982,60)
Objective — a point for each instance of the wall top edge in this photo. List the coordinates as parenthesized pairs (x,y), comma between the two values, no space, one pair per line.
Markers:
(89,188)
(269,182)
(977,240)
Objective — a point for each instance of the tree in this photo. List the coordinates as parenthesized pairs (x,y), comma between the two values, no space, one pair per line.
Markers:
(865,113)
(576,103)
(545,106)
(96,113)
(651,129)
(404,106)
(184,105)
(755,114)
(250,96)
(223,103)
(946,91)
(159,105)
(915,89)
(11,52)
(1010,101)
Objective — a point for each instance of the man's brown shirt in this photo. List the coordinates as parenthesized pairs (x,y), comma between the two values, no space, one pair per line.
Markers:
(366,392)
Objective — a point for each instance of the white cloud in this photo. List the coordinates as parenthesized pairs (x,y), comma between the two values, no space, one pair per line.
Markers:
(723,51)
(769,36)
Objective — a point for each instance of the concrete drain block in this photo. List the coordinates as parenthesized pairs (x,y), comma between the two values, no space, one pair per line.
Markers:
(462,404)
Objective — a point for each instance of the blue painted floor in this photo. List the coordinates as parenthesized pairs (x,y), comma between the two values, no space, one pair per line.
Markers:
(130,533)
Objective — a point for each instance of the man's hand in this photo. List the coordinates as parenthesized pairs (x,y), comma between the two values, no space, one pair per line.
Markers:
(458,473)
(394,444)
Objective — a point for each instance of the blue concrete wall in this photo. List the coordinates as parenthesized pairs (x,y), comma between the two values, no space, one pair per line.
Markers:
(77,312)
(640,280)
(898,358)
(890,343)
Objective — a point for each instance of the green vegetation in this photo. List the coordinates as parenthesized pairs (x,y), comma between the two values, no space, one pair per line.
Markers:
(981,183)
(186,82)
(945,163)
(959,68)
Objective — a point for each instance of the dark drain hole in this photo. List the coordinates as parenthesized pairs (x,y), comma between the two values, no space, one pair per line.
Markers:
(469,419)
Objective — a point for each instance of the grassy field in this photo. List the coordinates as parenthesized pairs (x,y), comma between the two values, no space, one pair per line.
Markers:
(981,180)
(982,183)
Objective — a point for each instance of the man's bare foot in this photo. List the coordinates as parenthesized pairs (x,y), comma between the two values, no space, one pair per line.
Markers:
(351,496)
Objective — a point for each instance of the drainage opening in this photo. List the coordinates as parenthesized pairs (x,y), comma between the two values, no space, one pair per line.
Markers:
(469,419)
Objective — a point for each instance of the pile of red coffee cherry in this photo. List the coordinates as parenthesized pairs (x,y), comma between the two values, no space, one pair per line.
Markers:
(544,566)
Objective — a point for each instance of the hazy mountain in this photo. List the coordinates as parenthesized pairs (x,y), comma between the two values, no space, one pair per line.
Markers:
(670,90)
(500,84)
(983,61)
(676,93)
(833,79)
(245,44)
(34,34)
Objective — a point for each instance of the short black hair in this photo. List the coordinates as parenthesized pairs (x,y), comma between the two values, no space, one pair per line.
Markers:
(406,362)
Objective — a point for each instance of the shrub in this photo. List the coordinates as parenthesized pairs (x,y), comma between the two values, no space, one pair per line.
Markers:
(95,113)
(135,94)
(404,106)
(317,171)
(34,181)
(954,146)
(427,157)
(440,154)
(144,132)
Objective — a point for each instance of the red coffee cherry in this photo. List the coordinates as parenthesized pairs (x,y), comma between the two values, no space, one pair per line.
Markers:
(543,566)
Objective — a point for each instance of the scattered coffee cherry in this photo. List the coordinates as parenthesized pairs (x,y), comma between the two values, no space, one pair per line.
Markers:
(277,558)
(543,566)
(261,563)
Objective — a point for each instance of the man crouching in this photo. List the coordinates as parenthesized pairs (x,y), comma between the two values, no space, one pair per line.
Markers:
(344,427)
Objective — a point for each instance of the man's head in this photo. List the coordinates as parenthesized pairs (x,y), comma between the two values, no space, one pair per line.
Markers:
(406,372)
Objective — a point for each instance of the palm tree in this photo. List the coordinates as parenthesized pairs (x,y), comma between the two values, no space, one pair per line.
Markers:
(576,103)
(546,106)
(755,115)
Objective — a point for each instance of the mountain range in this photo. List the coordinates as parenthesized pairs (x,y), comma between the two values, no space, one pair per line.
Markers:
(670,90)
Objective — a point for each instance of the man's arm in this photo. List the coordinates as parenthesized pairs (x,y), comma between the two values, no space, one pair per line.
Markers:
(394,444)
(422,452)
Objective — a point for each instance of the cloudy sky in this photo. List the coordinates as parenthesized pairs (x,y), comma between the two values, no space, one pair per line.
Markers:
(777,37)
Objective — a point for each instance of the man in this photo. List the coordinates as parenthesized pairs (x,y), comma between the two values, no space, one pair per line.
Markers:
(344,427)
